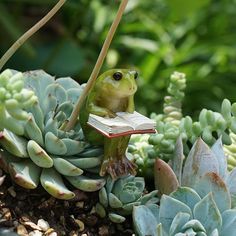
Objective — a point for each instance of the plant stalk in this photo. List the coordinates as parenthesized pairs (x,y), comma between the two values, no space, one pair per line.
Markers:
(29,33)
(97,67)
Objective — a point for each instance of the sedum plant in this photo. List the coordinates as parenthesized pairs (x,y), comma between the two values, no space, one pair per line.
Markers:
(45,152)
(201,194)
(118,197)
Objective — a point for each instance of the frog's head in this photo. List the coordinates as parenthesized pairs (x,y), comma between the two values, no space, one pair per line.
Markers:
(118,82)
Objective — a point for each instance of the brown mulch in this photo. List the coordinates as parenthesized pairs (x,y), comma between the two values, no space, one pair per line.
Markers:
(34,212)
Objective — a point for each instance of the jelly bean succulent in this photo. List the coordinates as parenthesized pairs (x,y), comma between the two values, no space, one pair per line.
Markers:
(45,152)
(201,194)
(118,197)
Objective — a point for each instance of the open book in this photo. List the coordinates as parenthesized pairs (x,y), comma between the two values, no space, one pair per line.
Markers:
(123,124)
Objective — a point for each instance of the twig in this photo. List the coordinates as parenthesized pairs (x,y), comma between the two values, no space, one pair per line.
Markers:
(97,66)
(29,33)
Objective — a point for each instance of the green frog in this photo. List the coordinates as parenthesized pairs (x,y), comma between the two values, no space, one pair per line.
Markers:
(113,92)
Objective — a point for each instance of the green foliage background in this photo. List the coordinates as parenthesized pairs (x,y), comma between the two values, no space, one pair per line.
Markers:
(156,37)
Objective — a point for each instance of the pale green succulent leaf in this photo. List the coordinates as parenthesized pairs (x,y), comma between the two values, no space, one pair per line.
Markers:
(218,150)
(25,173)
(115,218)
(215,233)
(187,196)
(51,126)
(66,108)
(169,207)
(155,209)
(103,198)
(213,183)
(74,94)
(231,180)
(64,167)
(54,185)
(14,144)
(164,178)
(73,146)
(33,131)
(85,183)
(127,208)
(109,184)
(54,145)
(38,155)
(178,222)
(200,161)
(18,114)
(114,202)
(85,163)
(38,114)
(229,223)
(100,210)
(49,103)
(149,198)
(57,91)
(68,83)
(177,161)
(194,225)
(144,221)
(6,158)
(208,214)
(91,152)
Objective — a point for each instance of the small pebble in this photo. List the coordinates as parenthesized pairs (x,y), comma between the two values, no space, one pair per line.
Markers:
(35,233)
(21,230)
(53,234)
(79,204)
(80,224)
(43,224)
(12,191)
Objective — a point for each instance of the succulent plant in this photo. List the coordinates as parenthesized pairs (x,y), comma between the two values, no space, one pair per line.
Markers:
(45,152)
(118,197)
(14,99)
(185,212)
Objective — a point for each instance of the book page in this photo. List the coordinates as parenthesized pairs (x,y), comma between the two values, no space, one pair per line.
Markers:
(137,120)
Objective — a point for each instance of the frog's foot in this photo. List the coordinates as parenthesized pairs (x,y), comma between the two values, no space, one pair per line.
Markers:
(118,167)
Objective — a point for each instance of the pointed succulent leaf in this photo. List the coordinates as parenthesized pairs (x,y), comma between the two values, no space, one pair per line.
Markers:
(177,161)
(73,146)
(85,183)
(85,163)
(187,196)
(14,144)
(67,83)
(211,182)
(109,184)
(231,181)
(155,209)
(6,158)
(33,131)
(91,152)
(208,214)
(218,150)
(58,92)
(149,198)
(53,184)
(144,221)
(195,225)
(25,173)
(74,94)
(229,222)
(64,167)
(51,126)
(199,161)
(115,218)
(169,207)
(164,178)
(103,198)
(38,155)
(178,222)
(215,232)
(100,210)
(54,145)
(114,202)
(66,108)
(49,104)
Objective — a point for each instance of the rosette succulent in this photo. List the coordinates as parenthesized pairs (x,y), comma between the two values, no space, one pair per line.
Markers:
(118,197)
(184,212)
(45,152)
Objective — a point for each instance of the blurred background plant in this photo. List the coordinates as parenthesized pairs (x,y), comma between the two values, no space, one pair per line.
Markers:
(157,37)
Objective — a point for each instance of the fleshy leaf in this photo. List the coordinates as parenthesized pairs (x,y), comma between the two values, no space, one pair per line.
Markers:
(73,146)
(114,202)
(229,222)
(116,218)
(85,163)
(199,161)
(164,177)
(54,144)
(195,225)
(208,214)
(211,182)
(169,208)
(144,221)
(25,173)
(53,184)
(187,196)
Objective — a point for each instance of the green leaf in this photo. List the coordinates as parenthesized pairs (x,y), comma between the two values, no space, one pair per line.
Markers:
(229,222)
(54,145)
(208,214)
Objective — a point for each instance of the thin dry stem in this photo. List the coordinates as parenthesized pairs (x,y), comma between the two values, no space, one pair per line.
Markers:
(29,33)
(97,67)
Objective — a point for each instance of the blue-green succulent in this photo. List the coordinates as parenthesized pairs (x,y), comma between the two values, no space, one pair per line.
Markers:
(118,197)
(44,152)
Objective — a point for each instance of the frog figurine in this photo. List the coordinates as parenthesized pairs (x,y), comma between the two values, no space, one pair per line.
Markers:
(113,92)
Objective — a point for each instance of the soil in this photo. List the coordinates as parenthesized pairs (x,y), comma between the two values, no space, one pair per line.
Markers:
(34,212)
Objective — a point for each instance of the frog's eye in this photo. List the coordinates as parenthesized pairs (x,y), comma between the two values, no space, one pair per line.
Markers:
(117,75)
(136,75)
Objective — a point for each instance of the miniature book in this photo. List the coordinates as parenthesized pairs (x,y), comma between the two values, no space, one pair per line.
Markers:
(123,124)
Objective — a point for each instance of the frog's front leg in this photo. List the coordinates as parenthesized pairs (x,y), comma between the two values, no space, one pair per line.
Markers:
(115,161)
